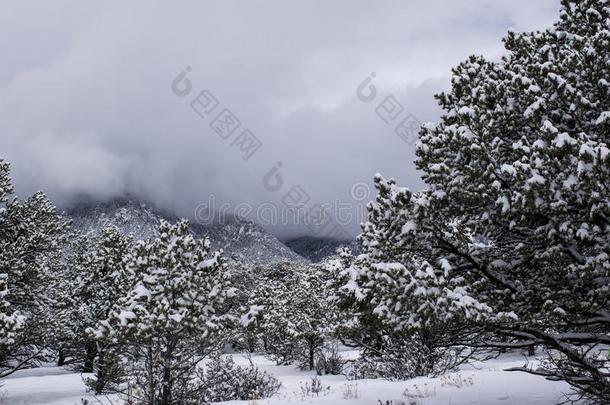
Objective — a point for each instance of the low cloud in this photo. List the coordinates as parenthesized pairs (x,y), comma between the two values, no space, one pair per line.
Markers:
(86,105)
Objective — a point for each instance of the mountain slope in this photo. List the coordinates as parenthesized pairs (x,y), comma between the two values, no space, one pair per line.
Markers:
(317,249)
(241,240)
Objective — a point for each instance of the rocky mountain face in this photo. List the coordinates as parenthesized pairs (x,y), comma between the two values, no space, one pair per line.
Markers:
(317,249)
(241,240)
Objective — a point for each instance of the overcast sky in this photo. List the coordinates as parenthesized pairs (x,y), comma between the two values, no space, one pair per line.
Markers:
(87,106)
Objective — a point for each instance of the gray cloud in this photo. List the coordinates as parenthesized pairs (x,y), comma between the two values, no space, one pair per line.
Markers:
(86,106)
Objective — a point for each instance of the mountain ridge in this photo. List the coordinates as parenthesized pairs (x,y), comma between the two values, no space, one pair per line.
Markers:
(240,240)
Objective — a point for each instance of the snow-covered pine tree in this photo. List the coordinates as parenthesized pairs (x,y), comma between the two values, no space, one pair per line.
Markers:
(289,311)
(516,219)
(31,235)
(521,160)
(267,316)
(314,316)
(171,317)
(66,309)
(244,278)
(61,305)
(10,320)
(94,278)
(403,308)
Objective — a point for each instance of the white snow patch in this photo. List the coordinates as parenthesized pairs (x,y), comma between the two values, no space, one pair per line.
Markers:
(487,384)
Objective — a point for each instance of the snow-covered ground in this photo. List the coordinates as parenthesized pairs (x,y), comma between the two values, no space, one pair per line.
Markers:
(485,385)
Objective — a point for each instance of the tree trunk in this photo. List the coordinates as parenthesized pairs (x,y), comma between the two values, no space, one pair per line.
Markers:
(265,345)
(151,376)
(167,388)
(91,352)
(61,360)
(167,371)
(101,377)
(251,344)
(312,351)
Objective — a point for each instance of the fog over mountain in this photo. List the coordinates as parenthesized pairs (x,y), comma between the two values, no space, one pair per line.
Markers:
(88,109)
(240,240)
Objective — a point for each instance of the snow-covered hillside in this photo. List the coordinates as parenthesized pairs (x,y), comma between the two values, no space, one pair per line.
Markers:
(241,240)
